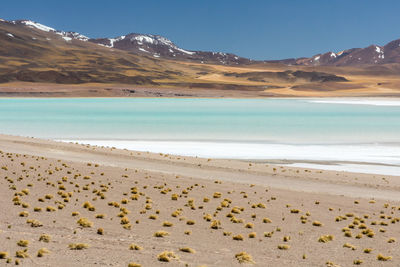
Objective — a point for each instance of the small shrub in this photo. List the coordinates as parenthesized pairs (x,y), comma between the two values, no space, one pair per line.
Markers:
(244,257)
(167,224)
(190,222)
(266,220)
(380,257)
(167,256)
(24,214)
(187,250)
(22,254)
(3,254)
(238,237)
(249,225)
(135,247)
(44,238)
(325,238)
(215,224)
(161,234)
(42,252)
(217,195)
(367,250)
(316,223)
(78,246)
(84,222)
(134,264)
(268,234)
(23,243)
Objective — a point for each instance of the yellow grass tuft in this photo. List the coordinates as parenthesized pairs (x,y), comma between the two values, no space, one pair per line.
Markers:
(286,238)
(167,224)
(41,252)
(208,217)
(325,238)
(22,254)
(50,209)
(23,243)
(167,256)
(153,217)
(34,223)
(24,214)
(135,247)
(249,225)
(252,235)
(348,245)
(357,262)
(84,222)
(317,223)
(187,250)
(380,257)
(238,237)
(244,257)
(78,246)
(268,234)
(283,247)
(161,234)
(3,254)
(217,195)
(266,220)
(215,224)
(44,238)
(367,250)
(134,264)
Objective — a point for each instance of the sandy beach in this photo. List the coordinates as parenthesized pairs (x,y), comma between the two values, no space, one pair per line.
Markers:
(69,204)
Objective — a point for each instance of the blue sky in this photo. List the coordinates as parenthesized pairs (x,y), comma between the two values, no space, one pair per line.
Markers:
(252,28)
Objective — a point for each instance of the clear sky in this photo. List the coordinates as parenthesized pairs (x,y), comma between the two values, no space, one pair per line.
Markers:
(269,29)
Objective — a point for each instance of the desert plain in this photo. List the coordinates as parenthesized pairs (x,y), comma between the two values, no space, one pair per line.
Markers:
(68,204)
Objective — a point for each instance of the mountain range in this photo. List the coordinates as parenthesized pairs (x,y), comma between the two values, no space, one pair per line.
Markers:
(159,46)
(31,52)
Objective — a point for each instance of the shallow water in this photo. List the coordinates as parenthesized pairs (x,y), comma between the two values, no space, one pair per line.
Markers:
(365,130)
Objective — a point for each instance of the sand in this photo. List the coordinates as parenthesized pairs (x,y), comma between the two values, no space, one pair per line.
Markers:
(280,212)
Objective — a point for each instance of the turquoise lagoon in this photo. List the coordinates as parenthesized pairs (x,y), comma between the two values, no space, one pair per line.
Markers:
(355,134)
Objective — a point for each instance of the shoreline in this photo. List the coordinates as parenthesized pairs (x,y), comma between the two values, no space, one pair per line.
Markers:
(319,156)
(165,162)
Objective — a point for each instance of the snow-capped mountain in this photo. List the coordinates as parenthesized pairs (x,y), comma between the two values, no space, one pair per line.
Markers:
(159,46)
(67,36)
(371,55)
(146,44)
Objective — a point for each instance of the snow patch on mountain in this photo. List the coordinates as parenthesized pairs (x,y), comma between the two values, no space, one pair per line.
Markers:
(67,35)
(142,39)
(76,35)
(143,50)
(68,39)
(38,26)
(113,40)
